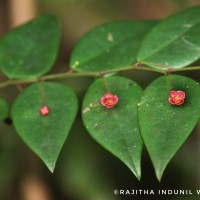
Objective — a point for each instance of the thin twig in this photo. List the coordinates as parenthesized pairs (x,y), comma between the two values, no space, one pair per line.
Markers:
(90,74)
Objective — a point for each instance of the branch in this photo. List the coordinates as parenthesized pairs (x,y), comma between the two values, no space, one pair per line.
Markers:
(11,82)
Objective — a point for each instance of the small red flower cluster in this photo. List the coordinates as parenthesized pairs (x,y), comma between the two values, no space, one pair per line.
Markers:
(44,110)
(176,97)
(109,100)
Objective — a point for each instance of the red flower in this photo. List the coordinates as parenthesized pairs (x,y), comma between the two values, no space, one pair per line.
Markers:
(109,100)
(176,97)
(44,110)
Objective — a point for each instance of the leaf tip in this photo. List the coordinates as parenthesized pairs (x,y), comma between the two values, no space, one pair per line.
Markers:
(137,173)
(159,177)
(51,167)
(159,173)
(138,176)
(159,167)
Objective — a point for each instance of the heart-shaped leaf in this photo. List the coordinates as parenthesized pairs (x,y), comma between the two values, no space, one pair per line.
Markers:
(117,128)
(109,46)
(45,135)
(30,50)
(3,109)
(174,42)
(165,127)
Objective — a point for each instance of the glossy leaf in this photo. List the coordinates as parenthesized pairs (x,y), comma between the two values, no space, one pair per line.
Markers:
(3,109)
(117,128)
(174,42)
(109,46)
(30,50)
(165,127)
(45,135)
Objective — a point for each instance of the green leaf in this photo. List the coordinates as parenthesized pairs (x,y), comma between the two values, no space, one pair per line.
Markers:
(45,135)
(116,129)
(165,127)
(30,50)
(174,42)
(109,46)
(3,109)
